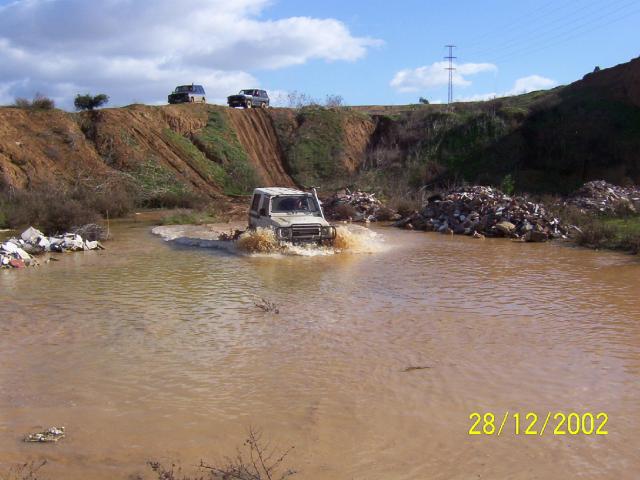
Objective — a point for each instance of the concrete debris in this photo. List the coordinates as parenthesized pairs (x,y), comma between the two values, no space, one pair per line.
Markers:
(52,434)
(599,196)
(357,206)
(480,211)
(19,252)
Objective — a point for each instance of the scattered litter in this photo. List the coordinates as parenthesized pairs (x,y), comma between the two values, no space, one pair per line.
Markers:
(599,196)
(19,252)
(53,434)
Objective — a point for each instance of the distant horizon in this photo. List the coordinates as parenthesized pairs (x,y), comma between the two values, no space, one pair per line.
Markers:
(366,52)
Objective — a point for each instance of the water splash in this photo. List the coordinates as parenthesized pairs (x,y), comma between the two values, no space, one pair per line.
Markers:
(262,241)
(349,239)
(357,239)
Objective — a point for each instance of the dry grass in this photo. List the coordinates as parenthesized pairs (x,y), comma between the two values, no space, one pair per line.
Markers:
(39,102)
(620,231)
(257,460)
(56,207)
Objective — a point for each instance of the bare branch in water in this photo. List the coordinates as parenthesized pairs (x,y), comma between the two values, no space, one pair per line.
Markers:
(254,463)
(267,306)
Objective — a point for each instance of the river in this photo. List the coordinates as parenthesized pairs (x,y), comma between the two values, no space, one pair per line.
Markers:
(155,351)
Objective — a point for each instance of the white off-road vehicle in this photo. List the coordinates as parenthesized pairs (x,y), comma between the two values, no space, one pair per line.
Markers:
(294,216)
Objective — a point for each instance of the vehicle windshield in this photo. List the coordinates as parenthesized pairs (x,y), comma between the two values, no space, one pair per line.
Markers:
(246,92)
(294,204)
(184,88)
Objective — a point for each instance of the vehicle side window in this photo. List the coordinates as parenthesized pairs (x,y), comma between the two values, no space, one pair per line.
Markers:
(201,89)
(255,203)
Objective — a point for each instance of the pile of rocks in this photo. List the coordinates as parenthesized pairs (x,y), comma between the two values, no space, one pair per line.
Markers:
(484,211)
(357,206)
(19,252)
(599,196)
(52,434)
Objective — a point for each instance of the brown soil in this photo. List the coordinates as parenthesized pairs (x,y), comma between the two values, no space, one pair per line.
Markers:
(39,147)
(258,137)
(357,135)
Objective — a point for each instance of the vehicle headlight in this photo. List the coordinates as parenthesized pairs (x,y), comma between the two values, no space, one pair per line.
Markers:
(329,232)
(283,232)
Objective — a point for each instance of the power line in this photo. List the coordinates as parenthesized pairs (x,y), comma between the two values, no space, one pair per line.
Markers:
(451,68)
(569,34)
(550,31)
(527,18)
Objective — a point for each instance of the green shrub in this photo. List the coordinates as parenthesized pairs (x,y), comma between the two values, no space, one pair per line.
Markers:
(4,221)
(595,233)
(508,186)
(157,187)
(89,102)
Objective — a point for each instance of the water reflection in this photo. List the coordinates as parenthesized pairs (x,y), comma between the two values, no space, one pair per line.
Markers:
(149,350)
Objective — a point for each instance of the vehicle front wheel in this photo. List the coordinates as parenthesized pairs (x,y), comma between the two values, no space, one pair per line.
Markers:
(248,104)
(264,105)
(204,100)
(191,99)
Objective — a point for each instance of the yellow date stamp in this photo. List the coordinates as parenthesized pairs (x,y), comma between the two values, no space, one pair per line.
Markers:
(530,423)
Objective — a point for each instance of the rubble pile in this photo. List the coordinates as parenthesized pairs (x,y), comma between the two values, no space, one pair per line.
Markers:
(599,196)
(19,252)
(52,434)
(484,211)
(357,206)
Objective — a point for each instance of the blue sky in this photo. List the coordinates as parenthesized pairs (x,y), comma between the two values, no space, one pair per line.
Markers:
(369,52)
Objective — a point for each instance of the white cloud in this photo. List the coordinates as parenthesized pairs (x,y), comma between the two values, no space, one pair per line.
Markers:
(436,75)
(531,84)
(134,49)
(521,86)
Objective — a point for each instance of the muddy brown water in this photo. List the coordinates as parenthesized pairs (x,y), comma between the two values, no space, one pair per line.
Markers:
(155,351)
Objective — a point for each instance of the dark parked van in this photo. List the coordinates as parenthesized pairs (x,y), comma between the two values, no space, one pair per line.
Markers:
(188,94)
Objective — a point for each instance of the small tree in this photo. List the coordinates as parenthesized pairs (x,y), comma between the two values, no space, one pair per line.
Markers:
(87,102)
(424,101)
(334,101)
(299,100)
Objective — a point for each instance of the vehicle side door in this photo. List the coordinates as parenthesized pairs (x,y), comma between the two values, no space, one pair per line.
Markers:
(259,211)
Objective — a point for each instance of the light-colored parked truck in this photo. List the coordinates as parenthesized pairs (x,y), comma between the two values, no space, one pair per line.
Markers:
(293,215)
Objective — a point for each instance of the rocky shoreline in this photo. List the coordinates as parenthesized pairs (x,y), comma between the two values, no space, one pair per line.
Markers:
(484,211)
